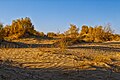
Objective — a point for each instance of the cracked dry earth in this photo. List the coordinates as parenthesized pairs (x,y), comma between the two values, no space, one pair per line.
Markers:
(54,64)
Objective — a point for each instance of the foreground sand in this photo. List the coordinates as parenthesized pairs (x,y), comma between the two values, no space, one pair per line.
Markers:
(79,62)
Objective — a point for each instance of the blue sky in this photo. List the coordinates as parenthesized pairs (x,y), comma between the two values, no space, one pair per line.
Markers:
(56,15)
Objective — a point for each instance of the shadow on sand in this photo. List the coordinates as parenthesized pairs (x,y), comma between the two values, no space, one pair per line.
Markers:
(10,72)
(101,46)
(7,44)
(97,48)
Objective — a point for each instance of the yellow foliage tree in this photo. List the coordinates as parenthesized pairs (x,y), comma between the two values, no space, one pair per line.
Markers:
(96,34)
(19,28)
(72,31)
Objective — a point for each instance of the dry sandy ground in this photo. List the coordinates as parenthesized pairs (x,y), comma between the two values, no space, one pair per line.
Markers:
(54,64)
(99,61)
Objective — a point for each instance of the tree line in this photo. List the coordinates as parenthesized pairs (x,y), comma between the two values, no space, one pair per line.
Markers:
(24,28)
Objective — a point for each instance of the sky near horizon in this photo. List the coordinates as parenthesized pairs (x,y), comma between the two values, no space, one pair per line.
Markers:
(56,15)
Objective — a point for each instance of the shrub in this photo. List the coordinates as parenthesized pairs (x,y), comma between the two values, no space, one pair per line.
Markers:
(96,34)
(64,42)
(61,35)
(19,28)
(51,34)
(72,31)
(41,34)
(84,30)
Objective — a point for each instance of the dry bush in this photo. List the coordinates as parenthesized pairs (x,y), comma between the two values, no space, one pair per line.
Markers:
(19,28)
(64,42)
(96,34)
(72,31)
(51,34)
(60,35)
(41,34)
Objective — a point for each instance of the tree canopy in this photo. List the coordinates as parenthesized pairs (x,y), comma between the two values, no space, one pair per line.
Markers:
(23,27)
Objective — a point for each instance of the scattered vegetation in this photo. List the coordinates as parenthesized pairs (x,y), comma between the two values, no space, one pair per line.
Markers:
(24,28)
(61,55)
(96,34)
